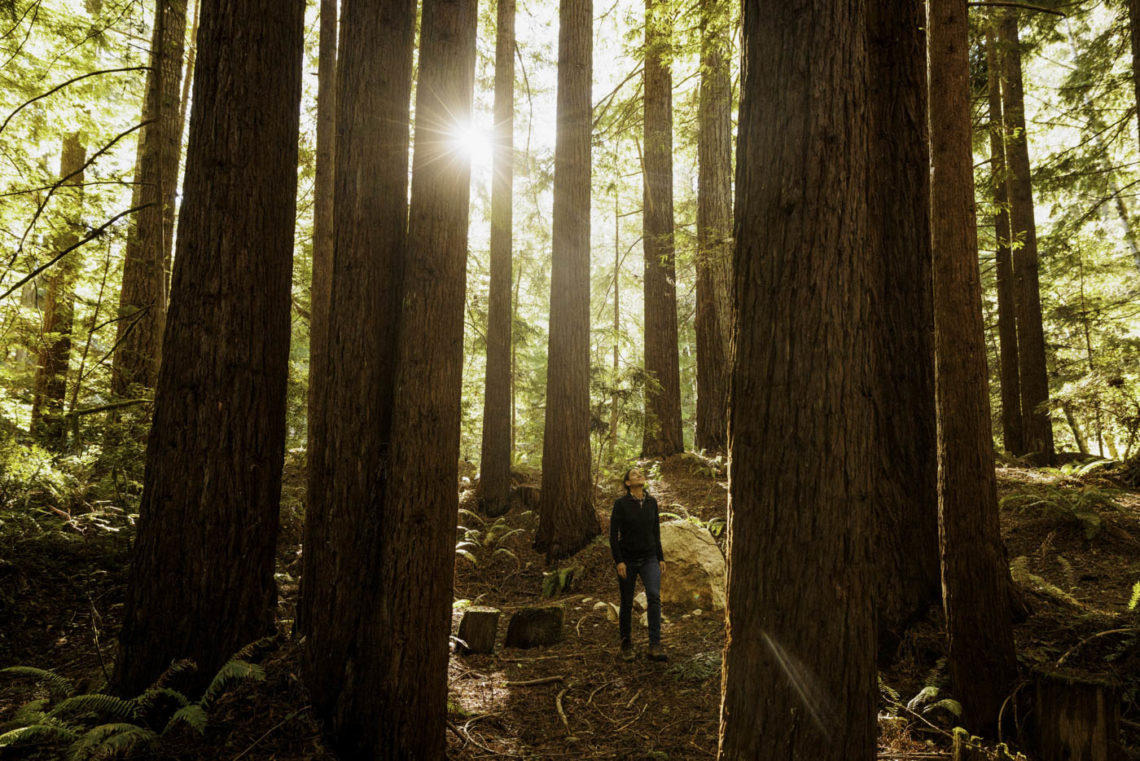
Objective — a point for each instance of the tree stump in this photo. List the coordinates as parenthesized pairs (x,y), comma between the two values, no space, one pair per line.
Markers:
(966,748)
(1077,719)
(477,629)
(526,496)
(535,627)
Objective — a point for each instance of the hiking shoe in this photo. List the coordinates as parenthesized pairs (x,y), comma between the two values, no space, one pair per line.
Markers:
(657,653)
(627,651)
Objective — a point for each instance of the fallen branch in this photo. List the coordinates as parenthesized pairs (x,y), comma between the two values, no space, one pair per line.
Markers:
(533,682)
(1073,649)
(561,712)
(635,718)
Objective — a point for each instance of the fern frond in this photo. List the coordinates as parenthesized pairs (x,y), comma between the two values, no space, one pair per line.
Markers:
(146,701)
(177,668)
(56,684)
(193,716)
(37,734)
(476,516)
(265,643)
(111,741)
(234,670)
(467,554)
(104,705)
(31,712)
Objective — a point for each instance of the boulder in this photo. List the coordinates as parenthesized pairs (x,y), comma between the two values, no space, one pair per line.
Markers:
(534,627)
(695,567)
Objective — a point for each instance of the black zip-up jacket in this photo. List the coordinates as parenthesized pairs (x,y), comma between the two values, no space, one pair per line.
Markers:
(635,533)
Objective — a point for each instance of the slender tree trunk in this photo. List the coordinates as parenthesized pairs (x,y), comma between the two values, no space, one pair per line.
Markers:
(323,238)
(346,520)
(975,578)
(1075,427)
(1012,428)
(405,665)
(1134,35)
(495,465)
(142,301)
(799,672)
(50,383)
(899,203)
(567,519)
(201,583)
(714,228)
(613,432)
(663,435)
(1034,379)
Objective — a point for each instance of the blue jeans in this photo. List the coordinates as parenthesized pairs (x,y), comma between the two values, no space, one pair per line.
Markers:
(650,573)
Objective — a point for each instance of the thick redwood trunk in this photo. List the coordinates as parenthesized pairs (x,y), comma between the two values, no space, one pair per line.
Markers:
(714,228)
(1037,426)
(495,463)
(899,200)
(1012,429)
(345,525)
(663,434)
(975,578)
(799,672)
(567,519)
(201,583)
(142,302)
(50,383)
(403,664)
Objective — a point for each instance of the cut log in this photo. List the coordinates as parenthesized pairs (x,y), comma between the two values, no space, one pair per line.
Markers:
(477,629)
(1077,719)
(535,627)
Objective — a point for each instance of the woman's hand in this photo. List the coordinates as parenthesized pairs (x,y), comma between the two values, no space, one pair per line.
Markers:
(621,569)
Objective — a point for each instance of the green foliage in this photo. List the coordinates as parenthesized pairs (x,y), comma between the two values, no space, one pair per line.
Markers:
(99,726)
(1135,599)
(1081,506)
(559,581)
(476,545)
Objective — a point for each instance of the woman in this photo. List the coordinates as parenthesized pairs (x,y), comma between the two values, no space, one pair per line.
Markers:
(635,542)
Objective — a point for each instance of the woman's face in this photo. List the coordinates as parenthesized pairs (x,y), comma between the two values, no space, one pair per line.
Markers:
(635,479)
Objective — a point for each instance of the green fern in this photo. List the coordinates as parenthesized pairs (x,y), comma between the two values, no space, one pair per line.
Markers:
(111,741)
(102,705)
(235,670)
(193,716)
(263,644)
(184,666)
(56,684)
(146,701)
(38,734)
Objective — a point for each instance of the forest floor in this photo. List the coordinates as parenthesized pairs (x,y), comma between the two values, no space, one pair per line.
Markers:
(1073,540)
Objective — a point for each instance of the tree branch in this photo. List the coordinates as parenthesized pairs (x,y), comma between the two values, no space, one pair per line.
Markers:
(86,239)
(1010,4)
(57,88)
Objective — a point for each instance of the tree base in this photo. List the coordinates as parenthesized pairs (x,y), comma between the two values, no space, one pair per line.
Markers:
(1077,719)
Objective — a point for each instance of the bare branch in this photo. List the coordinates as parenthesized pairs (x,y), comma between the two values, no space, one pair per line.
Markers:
(59,87)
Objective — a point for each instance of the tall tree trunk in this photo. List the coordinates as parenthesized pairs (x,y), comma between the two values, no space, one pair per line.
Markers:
(799,672)
(906,482)
(612,436)
(714,227)
(495,464)
(1011,422)
(1134,35)
(567,519)
(346,519)
(50,384)
(201,583)
(975,578)
(406,665)
(142,301)
(1034,379)
(323,238)
(663,435)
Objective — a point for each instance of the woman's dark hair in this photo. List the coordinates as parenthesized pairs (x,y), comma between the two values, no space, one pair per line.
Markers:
(625,478)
